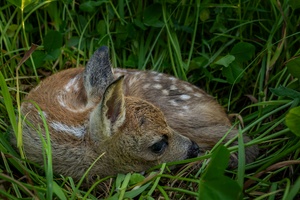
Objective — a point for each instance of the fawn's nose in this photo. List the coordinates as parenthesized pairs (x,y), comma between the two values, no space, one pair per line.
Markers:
(193,151)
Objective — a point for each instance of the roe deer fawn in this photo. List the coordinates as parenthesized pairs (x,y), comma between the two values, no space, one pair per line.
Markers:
(137,118)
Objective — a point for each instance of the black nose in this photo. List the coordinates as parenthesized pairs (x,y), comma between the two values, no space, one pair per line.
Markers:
(193,151)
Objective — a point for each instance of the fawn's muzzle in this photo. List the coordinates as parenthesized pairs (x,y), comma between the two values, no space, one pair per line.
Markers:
(193,151)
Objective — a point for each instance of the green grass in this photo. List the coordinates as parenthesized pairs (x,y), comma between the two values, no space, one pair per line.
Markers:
(245,53)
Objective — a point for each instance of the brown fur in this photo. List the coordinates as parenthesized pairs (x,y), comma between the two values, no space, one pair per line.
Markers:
(138,121)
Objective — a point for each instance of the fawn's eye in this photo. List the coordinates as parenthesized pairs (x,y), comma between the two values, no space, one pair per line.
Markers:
(160,146)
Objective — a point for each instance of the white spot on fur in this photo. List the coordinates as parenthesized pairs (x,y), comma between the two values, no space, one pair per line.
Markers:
(118,74)
(181,114)
(76,131)
(185,97)
(72,84)
(157,86)
(173,79)
(173,87)
(188,88)
(198,95)
(137,73)
(146,86)
(132,80)
(186,107)
(165,92)
(62,102)
(173,102)
(37,87)
(119,70)
(156,78)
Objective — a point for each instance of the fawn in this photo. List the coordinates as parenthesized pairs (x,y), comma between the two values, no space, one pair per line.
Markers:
(138,119)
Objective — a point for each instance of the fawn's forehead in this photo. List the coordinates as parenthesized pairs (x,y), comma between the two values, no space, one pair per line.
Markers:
(145,114)
(142,108)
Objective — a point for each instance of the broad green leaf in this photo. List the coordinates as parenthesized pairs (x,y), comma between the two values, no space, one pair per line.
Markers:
(131,31)
(82,21)
(25,5)
(214,184)
(120,178)
(139,24)
(294,4)
(136,178)
(115,197)
(53,55)
(219,24)
(243,51)
(73,41)
(132,61)
(52,43)
(132,193)
(225,60)
(204,14)
(152,14)
(38,59)
(137,191)
(90,6)
(16,3)
(29,28)
(11,30)
(222,188)
(285,92)
(22,4)
(198,62)
(294,67)
(218,163)
(101,27)
(292,120)
(233,73)
(294,190)
(58,191)
(122,32)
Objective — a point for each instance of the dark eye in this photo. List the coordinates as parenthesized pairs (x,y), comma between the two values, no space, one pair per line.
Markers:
(160,146)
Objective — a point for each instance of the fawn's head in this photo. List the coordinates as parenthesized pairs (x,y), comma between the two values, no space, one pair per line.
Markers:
(133,132)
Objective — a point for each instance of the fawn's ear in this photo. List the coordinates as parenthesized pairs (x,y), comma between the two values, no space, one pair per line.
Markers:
(109,115)
(98,73)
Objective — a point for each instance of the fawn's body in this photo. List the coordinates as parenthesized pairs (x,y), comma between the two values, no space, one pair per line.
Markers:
(138,121)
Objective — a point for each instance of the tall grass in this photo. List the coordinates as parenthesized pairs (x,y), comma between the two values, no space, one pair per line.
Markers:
(245,53)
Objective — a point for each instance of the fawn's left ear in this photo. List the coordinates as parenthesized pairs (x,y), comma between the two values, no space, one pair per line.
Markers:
(98,73)
(109,115)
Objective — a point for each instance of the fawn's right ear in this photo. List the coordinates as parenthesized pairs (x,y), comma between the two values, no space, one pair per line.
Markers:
(109,115)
